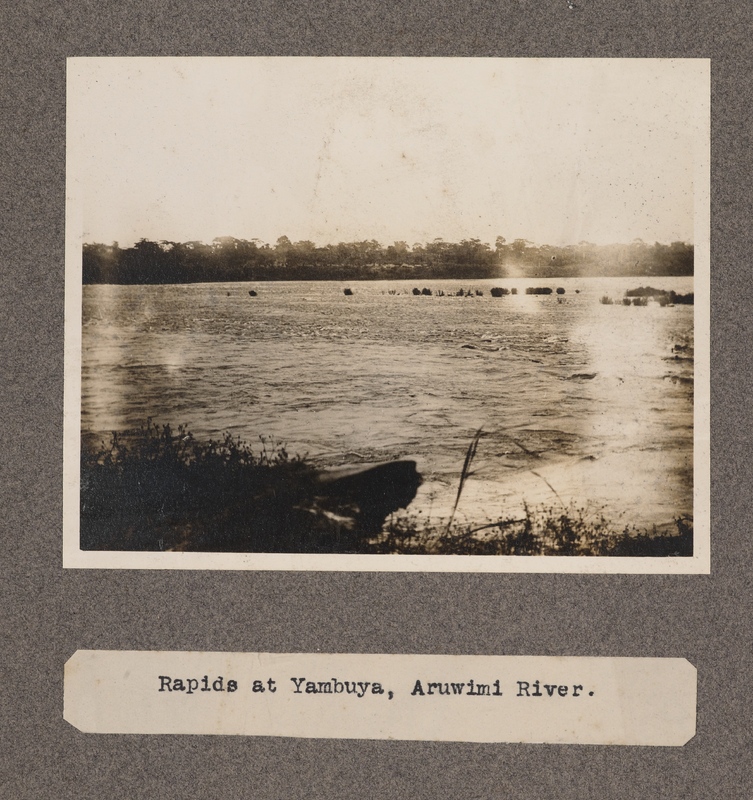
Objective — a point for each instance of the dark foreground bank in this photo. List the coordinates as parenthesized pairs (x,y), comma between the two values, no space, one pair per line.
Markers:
(159,489)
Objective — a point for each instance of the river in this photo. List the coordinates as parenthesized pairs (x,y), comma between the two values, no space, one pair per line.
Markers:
(581,403)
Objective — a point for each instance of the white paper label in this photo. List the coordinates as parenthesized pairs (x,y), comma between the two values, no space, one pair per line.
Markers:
(567,700)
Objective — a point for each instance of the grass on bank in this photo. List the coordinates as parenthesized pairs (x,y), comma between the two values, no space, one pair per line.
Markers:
(160,489)
(541,531)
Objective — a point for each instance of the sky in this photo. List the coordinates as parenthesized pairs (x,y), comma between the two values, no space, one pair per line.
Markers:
(555,151)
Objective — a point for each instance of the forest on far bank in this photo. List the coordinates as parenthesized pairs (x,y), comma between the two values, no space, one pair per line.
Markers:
(229,259)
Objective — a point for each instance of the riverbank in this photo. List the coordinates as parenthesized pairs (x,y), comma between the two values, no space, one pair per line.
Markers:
(158,489)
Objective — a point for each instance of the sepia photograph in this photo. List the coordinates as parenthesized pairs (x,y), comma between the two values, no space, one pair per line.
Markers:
(446,314)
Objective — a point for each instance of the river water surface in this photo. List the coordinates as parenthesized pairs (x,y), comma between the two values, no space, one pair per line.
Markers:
(580,402)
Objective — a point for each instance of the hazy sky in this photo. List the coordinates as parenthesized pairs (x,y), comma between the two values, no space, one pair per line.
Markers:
(341,149)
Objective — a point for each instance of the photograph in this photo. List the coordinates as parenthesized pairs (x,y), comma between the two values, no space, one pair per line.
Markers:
(392,314)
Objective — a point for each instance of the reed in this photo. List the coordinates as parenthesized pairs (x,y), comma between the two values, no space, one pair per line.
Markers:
(465,473)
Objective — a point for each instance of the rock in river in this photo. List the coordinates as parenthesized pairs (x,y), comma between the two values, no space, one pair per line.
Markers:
(361,496)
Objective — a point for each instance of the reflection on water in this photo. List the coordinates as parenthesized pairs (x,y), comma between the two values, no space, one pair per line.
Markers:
(578,401)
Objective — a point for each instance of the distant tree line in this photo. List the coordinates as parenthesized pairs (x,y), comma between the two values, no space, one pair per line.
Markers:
(230,259)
